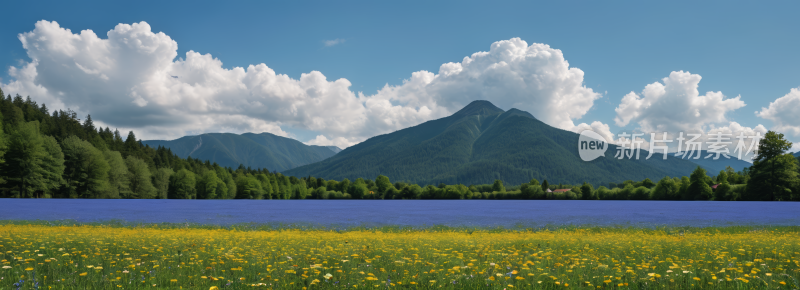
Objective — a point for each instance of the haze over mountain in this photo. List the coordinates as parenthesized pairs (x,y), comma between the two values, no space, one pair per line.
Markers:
(713,167)
(481,143)
(263,150)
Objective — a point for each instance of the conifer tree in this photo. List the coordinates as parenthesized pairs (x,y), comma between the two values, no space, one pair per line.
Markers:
(131,145)
(23,164)
(3,146)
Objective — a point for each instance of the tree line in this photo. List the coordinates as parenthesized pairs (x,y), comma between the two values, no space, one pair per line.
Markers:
(45,154)
(55,155)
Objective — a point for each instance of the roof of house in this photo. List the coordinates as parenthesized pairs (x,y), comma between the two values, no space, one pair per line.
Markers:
(714,186)
(562,190)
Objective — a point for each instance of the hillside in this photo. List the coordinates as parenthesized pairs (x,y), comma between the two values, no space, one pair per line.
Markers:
(481,143)
(263,150)
(715,166)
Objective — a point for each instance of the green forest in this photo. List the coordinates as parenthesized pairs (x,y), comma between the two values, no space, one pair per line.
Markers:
(58,155)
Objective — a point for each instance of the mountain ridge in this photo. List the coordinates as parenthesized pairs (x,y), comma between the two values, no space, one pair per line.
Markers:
(263,150)
(715,166)
(480,143)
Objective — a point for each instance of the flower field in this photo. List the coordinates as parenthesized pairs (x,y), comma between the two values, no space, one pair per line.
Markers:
(105,257)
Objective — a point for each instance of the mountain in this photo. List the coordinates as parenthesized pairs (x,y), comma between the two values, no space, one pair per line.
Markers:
(481,143)
(263,150)
(715,166)
(334,149)
(797,154)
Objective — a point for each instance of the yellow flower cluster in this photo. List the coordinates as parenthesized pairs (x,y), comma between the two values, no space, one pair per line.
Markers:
(95,257)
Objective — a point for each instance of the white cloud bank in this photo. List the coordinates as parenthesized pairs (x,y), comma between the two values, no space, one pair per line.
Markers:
(675,105)
(132,80)
(784,113)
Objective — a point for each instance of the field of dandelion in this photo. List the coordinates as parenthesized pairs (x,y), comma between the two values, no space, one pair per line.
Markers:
(96,256)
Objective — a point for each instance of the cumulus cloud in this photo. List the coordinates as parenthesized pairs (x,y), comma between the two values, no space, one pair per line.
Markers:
(332,42)
(598,127)
(675,105)
(795,147)
(133,79)
(321,140)
(784,113)
(534,78)
(732,131)
(733,137)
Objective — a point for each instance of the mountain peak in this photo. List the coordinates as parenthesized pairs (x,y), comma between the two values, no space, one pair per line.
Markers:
(514,111)
(479,107)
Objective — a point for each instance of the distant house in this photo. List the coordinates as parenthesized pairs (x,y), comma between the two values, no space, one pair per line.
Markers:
(548,190)
(714,187)
(562,190)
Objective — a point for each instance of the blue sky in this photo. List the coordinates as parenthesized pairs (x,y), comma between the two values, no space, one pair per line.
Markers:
(745,49)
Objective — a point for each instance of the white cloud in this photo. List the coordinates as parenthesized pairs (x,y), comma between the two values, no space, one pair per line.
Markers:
(676,105)
(784,113)
(732,130)
(132,80)
(598,127)
(729,140)
(333,42)
(533,78)
(795,147)
(321,140)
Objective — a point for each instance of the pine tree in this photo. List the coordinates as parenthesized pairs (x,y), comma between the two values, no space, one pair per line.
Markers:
(3,146)
(88,126)
(131,145)
(23,166)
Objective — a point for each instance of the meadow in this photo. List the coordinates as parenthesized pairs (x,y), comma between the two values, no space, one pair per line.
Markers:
(97,256)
